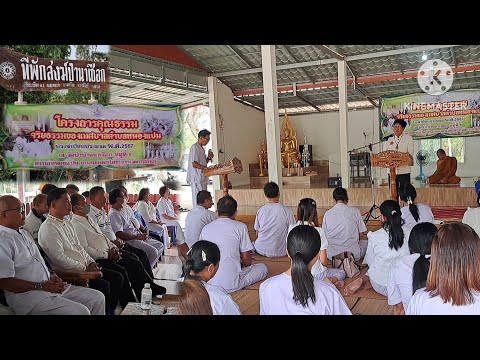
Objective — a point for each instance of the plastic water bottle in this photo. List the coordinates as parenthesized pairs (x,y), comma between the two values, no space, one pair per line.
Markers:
(146,301)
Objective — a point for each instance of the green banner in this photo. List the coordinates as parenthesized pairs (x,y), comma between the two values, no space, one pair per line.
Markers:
(452,114)
(83,136)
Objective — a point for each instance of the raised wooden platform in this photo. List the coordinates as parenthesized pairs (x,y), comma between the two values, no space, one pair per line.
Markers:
(250,200)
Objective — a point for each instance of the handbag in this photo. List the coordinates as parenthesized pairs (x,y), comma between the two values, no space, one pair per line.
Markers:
(346,261)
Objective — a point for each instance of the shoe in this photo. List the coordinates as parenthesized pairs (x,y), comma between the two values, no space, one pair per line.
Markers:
(157,289)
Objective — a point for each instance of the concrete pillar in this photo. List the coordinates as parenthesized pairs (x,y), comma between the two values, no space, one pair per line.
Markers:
(215,129)
(23,176)
(343,115)
(272,122)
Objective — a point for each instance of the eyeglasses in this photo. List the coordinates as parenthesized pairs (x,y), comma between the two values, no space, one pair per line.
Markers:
(20,209)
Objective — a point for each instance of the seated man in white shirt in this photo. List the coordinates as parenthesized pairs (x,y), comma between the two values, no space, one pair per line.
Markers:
(167,215)
(122,225)
(472,216)
(36,217)
(235,270)
(271,223)
(129,210)
(198,217)
(30,288)
(58,239)
(99,219)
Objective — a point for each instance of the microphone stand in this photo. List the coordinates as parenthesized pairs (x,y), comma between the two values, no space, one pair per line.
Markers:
(374,207)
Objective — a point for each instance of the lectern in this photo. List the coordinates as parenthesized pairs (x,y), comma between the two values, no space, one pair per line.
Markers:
(229,167)
(392,159)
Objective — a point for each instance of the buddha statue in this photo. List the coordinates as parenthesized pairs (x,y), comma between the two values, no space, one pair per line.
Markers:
(289,144)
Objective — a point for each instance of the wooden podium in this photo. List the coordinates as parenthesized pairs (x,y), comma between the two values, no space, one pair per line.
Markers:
(392,159)
(229,167)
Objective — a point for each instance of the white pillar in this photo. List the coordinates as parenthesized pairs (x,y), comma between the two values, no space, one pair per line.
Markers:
(343,114)
(215,129)
(23,176)
(272,122)
(92,99)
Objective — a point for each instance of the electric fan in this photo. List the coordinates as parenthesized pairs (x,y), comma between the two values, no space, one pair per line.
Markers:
(423,159)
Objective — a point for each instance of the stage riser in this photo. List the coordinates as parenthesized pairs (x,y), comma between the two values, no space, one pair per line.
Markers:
(250,200)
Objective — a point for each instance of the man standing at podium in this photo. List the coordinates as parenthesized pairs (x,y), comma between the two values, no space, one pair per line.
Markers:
(197,162)
(401,142)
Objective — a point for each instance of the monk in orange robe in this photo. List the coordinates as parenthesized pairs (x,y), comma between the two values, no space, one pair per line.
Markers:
(446,169)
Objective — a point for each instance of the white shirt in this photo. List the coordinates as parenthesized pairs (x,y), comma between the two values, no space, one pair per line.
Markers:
(405,144)
(272,223)
(103,222)
(379,256)
(472,218)
(60,242)
(318,266)
(342,225)
(131,214)
(147,210)
(232,238)
(20,258)
(120,220)
(196,219)
(424,212)
(276,298)
(221,301)
(422,304)
(400,279)
(197,154)
(91,237)
(165,207)
(32,224)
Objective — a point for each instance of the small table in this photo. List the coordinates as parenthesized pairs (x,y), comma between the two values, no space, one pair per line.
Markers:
(133,308)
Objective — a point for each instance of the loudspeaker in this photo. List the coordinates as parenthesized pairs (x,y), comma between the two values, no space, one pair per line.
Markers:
(334,182)
(310,160)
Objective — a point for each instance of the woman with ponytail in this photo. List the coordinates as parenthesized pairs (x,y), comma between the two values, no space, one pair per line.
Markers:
(202,263)
(409,273)
(384,246)
(296,291)
(413,213)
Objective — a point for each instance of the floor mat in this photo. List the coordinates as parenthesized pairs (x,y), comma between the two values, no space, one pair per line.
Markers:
(448,214)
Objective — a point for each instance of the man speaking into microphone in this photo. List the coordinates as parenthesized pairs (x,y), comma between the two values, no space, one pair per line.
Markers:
(402,142)
(197,162)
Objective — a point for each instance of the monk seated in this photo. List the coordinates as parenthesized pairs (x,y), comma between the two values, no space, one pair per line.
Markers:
(446,169)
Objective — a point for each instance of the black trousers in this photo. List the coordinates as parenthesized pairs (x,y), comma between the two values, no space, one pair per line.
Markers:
(115,280)
(141,255)
(136,272)
(125,295)
(401,180)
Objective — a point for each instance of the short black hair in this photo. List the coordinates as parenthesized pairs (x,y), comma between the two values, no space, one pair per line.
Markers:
(114,195)
(441,151)
(96,190)
(55,194)
(72,187)
(340,194)
(86,194)
(202,196)
(402,123)
(121,187)
(203,133)
(38,199)
(271,190)
(75,199)
(47,188)
(163,190)
(226,206)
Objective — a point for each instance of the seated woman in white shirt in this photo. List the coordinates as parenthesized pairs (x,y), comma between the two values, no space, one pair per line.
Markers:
(472,216)
(307,215)
(409,273)
(202,263)
(194,299)
(296,291)
(453,284)
(167,214)
(145,207)
(413,213)
(384,246)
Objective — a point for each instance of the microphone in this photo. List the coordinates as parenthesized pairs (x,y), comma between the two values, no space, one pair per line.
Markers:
(387,137)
